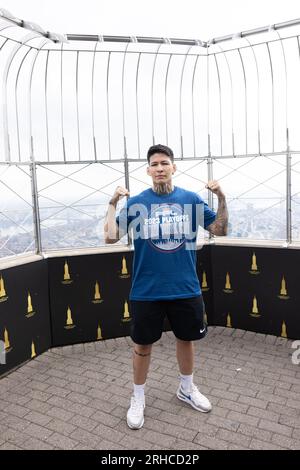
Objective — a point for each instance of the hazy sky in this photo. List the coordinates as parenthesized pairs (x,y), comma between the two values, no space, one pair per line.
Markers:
(168,18)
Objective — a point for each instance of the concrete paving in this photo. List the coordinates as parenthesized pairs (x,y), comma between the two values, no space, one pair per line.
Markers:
(76,397)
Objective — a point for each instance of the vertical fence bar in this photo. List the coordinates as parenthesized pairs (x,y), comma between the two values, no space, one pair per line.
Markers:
(166,105)
(36,211)
(246,104)
(31,148)
(231,96)
(180,100)
(93,105)
(220,103)
(288,196)
(62,103)
(123,104)
(273,107)
(46,107)
(137,105)
(152,88)
(193,105)
(209,159)
(288,155)
(16,101)
(257,95)
(77,107)
(107,105)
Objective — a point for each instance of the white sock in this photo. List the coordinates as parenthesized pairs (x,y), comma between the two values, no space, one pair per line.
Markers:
(186,382)
(139,391)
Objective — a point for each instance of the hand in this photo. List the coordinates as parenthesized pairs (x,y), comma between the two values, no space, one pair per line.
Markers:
(118,194)
(215,188)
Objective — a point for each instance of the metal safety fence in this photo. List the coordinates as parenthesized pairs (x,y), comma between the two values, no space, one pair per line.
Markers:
(80,111)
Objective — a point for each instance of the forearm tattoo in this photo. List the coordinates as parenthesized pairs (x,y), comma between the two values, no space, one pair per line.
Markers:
(220,225)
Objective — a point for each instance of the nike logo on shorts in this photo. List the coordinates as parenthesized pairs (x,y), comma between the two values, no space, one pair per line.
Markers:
(202,331)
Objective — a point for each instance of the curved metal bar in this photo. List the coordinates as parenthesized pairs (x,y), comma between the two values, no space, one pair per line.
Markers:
(137,106)
(46,106)
(166,107)
(246,104)
(258,95)
(208,127)
(16,101)
(231,89)
(123,102)
(152,88)
(77,107)
(10,59)
(62,102)
(93,106)
(31,150)
(286,87)
(7,26)
(273,109)
(107,105)
(220,103)
(193,106)
(2,45)
(288,155)
(180,100)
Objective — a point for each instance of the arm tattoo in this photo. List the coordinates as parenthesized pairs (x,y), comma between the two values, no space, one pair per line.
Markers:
(220,225)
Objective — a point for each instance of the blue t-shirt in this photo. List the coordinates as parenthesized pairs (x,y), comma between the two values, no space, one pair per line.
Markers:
(164,230)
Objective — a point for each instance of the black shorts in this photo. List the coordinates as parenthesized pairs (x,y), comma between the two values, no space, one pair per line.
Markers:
(186,317)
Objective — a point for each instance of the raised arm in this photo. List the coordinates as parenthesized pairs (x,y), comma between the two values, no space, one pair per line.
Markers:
(220,225)
(111,229)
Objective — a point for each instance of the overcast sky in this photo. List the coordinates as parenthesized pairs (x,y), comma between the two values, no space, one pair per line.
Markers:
(197,19)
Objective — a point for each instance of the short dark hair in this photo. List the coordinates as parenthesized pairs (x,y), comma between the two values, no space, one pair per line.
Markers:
(159,148)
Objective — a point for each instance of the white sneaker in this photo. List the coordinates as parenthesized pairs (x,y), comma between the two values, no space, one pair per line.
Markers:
(135,414)
(195,399)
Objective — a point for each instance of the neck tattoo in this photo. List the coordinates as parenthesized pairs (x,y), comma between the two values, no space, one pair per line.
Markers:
(164,188)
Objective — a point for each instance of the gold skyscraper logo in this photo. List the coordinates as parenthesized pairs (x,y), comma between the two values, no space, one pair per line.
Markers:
(124,271)
(99,332)
(30,311)
(254,268)
(67,277)
(33,353)
(283,290)
(228,322)
(227,289)
(7,345)
(97,296)
(283,330)
(126,314)
(255,312)
(69,322)
(204,286)
(3,296)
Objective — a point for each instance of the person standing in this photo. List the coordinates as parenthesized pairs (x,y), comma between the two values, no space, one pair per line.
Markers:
(164,220)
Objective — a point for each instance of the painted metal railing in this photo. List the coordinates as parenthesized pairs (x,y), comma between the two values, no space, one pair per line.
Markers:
(101,101)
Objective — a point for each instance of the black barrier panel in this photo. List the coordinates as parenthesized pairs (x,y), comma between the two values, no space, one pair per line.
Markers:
(24,314)
(89,297)
(254,289)
(257,289)
(206,281)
